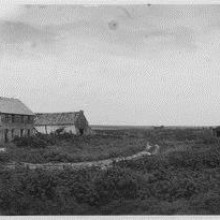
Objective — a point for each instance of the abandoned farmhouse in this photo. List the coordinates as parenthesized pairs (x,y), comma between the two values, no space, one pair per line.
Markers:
(72,122)
(16,119)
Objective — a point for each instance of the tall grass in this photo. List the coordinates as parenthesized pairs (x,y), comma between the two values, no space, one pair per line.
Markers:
(184,180)
(71,148)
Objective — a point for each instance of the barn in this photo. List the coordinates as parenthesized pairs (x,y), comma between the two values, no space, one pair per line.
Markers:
(16,119)
(71,122)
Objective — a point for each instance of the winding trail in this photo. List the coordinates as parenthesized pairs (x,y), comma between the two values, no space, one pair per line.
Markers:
(102,164)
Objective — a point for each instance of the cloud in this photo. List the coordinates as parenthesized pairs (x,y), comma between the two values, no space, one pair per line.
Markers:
(179,37)
(120,30)
(24,35)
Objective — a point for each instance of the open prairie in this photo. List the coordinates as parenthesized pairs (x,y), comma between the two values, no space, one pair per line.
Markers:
(182,178)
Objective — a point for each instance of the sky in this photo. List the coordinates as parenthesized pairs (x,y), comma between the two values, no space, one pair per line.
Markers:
(146,64)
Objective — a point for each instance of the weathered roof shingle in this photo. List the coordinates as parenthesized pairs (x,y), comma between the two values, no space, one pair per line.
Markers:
(13,106)
(63,118)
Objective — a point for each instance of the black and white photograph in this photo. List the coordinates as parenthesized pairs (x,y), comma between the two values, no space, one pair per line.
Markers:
(109,109)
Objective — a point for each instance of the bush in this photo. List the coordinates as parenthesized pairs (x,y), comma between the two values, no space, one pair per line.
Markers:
(36,141)
(4,157)
(117,190)
(117,183)
(209,139)
(33,142)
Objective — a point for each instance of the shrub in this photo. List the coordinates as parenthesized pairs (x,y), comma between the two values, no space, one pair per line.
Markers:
(117,183)
(37,141)
(33,142)
(4,157)
(177,182)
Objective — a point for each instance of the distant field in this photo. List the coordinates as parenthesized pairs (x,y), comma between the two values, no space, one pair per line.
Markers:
(115,127)
(106,142)
(125,127)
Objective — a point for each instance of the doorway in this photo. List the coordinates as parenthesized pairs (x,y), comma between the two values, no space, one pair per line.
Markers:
(81,131)
(22,132)
(6,135)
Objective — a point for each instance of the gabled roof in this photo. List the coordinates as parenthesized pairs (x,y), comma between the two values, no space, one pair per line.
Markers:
(13,106)
(61,118)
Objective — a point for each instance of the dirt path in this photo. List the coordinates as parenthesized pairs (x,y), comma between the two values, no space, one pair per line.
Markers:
(103,164)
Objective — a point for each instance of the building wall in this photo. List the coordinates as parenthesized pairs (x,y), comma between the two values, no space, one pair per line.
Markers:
(15,125)
(52,128)
(81,124)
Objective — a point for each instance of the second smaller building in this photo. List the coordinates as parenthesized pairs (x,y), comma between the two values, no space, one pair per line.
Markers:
(71,122)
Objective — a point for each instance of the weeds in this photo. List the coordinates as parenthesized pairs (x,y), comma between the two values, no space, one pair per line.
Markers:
(182,180)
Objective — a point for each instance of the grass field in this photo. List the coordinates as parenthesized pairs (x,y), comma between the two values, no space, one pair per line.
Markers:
(184,178)
(101,145)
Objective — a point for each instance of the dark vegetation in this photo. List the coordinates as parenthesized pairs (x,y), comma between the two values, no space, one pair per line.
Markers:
(66,147)
(184,178)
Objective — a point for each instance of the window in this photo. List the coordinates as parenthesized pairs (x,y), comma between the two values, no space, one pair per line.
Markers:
(13,118)
(7,118)
(22,119)
(6,135)
(30,119)
(3,117)
(22,132)
(25,119)
(12,133)
(17,118)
